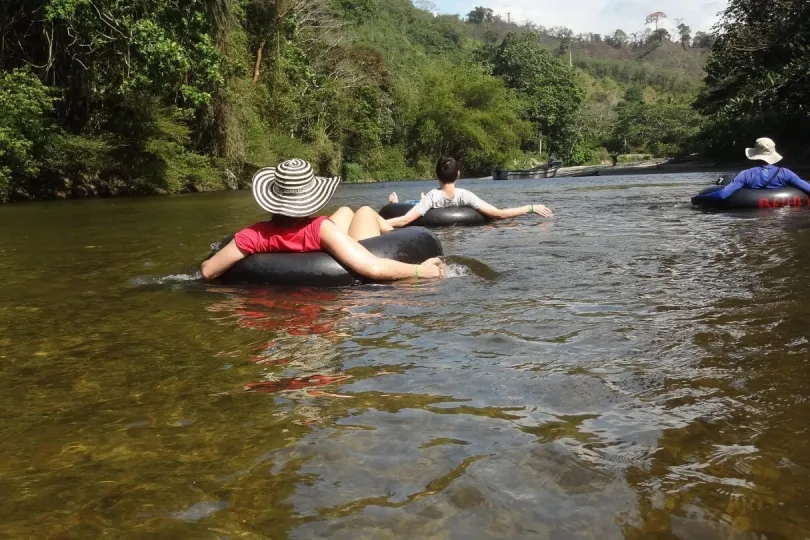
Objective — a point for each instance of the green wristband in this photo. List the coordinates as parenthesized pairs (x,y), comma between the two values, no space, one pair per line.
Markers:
(531,209)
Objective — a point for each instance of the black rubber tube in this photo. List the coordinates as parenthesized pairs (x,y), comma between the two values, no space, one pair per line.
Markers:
(755,198)
(437,217)
(318,269)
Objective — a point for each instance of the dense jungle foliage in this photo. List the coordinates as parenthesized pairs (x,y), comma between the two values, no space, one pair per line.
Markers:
(101,97)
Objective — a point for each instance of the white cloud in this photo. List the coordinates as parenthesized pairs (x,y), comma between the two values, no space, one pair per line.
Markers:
(599,16)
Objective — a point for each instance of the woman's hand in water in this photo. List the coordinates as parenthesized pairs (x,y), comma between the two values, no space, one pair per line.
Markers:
(432,268)
(544,211)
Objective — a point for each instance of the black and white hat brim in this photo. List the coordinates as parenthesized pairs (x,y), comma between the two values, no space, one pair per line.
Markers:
(301,202)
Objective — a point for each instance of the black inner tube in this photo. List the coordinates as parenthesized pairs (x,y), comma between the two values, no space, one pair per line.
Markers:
(437,217)
(755,198)
(319,269)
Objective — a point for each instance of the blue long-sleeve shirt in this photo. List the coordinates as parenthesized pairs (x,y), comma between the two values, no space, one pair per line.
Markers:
(758,178)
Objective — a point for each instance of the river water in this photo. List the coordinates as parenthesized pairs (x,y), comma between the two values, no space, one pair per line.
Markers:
(633,368)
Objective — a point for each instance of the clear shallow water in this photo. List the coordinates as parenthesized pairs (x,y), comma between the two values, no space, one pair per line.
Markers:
(632,369)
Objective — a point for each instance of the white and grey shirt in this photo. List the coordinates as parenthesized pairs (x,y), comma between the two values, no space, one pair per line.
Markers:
(436,198)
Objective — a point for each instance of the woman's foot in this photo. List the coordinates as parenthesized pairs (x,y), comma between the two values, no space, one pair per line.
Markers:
(393,198)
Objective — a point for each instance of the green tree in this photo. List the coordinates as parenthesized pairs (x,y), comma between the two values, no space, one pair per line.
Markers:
(134,48)
(659,36)
(155,96)
(759,71)
(480,15)
(634,94)
(356,10)
(120,68)
(761,58)
(552,91)
(618,40)
(686,35)
(564,48)
(703,40)
(461,111)
(26,133)
(595,122)
(661,129)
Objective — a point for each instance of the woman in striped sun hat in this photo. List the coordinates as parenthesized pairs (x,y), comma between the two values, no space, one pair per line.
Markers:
(293,194)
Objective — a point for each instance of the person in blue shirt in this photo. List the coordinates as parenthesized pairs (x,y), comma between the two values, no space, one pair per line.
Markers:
(764,176)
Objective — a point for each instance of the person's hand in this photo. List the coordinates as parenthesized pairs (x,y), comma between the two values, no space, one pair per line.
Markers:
(393,197)
(544,211)
(432,268)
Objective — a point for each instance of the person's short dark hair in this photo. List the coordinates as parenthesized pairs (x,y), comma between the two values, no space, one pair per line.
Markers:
(447,170)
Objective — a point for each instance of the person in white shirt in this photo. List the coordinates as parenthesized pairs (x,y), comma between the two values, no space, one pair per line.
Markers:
(447,172)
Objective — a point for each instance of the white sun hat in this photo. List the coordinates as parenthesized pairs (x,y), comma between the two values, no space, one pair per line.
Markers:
(764,150)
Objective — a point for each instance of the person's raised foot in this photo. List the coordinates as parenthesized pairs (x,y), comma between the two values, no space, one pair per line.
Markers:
(393,198)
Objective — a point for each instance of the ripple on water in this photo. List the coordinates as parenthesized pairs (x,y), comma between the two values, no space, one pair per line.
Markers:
(633,369)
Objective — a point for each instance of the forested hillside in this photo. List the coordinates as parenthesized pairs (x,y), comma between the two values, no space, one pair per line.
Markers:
(160,96)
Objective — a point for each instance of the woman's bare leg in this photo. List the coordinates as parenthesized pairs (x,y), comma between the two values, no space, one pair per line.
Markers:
(343,218)
(367,224)
(384,226)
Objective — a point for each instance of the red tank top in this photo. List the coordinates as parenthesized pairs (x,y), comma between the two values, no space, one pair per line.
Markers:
(269,237)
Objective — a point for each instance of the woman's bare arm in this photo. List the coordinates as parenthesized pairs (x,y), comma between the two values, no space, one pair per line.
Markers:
(496,213)
(407,219)
(351,253)
(222,261)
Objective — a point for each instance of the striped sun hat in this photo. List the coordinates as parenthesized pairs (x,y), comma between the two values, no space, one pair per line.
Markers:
(292,189)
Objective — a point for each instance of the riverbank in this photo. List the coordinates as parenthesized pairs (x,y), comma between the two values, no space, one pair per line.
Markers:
(63,188)
(663,166)
(650,166)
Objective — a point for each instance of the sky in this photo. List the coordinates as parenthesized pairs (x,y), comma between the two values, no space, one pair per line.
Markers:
(598,16)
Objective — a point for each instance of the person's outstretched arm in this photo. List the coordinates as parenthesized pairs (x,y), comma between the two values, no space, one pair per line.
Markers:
(728,190)
(401,221)
(413,214)
(493,212)
(222,261)
(794,180)
(506,213)
(350,252)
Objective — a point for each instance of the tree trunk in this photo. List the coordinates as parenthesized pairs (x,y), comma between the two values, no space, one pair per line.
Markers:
(257,67)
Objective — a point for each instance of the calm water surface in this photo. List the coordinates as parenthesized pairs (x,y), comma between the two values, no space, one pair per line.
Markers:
(632,369)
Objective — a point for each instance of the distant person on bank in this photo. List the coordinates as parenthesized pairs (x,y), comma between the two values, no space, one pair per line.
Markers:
(448,172)
(766,175)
